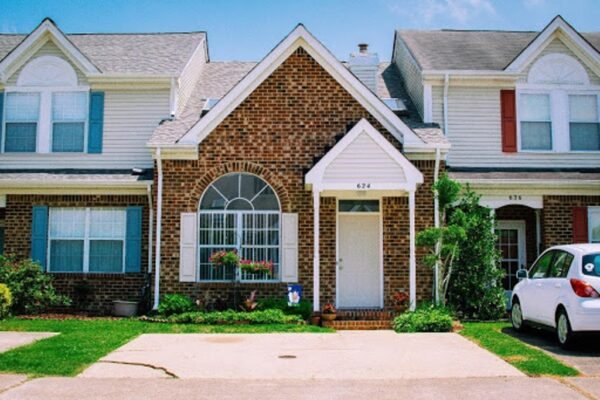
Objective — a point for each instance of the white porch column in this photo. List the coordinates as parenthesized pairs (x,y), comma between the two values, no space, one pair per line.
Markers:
(316,266)
(538,232)
(412,255)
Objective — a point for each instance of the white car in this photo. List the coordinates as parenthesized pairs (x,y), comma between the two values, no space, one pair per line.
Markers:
(560,291)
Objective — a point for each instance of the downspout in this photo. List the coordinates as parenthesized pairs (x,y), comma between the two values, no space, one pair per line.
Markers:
(436,222)
(150,226)
(446,85)
(159,190)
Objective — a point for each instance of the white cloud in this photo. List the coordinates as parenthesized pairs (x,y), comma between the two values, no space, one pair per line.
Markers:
(460,11)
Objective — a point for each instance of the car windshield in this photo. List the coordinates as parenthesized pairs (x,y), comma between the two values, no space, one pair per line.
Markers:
(591,264)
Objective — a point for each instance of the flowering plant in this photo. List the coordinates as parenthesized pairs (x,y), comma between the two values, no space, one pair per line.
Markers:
(400,298)
(224,258)
(328,309)
(256,266)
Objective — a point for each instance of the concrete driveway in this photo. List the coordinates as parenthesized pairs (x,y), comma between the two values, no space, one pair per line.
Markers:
(343,355)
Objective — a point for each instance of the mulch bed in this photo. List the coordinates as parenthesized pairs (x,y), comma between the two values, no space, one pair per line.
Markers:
(72,316)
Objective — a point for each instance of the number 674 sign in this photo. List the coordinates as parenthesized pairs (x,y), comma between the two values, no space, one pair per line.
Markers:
(363,185)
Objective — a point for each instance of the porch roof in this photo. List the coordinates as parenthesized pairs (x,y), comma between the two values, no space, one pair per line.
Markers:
(364,160)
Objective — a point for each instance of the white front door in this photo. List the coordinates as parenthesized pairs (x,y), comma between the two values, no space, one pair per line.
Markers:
(359,273)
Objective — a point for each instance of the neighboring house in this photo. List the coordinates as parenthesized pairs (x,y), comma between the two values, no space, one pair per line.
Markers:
(521,110)
(76,112)
(292,160)
(127,160)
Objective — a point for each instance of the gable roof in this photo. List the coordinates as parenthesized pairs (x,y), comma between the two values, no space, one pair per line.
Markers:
(218,77)
(300,37)
(126,53)
(473,50)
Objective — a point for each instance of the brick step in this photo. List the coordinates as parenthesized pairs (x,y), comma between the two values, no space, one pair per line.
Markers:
(364,315)
(357,325)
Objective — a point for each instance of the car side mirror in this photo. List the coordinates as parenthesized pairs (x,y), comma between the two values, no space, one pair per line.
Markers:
(522,274)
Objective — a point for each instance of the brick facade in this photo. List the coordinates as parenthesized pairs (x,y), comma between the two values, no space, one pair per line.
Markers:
(101,289)
(291,118)
(558,217)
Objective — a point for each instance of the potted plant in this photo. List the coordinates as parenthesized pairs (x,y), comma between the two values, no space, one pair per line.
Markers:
(256,267)
(125,308)
(400,299)
(328,313)
(223,258)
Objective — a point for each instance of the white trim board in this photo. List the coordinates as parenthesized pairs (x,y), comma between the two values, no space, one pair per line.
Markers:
(301,37)
(46,31)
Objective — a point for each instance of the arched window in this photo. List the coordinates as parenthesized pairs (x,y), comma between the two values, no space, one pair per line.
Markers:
(239,212)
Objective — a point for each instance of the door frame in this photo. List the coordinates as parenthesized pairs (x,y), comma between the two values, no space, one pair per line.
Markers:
(379,215)
(521,226)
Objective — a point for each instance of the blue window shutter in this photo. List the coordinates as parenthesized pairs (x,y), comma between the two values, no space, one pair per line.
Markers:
(1,110)
(39,234)
(96,123)
(133,240)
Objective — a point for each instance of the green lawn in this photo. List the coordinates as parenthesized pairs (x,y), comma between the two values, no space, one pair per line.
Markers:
(81,343)
(530,360)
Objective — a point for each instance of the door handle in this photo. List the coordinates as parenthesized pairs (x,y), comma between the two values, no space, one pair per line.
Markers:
(339,264)
(557,285)
(538,284)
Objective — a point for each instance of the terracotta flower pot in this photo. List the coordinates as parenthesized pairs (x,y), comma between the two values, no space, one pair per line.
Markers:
(328,317)
(315,320)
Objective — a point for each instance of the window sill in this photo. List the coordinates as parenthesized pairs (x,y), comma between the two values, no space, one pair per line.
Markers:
(96,275)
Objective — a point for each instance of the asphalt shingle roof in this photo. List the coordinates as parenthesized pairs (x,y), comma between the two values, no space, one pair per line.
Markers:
(470,50)
(144,53)
(217,78)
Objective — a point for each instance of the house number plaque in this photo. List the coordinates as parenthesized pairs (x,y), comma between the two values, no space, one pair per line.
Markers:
(363,185)
(514,197)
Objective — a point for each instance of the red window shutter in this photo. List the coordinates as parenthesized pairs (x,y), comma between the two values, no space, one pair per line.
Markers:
(508,121)
(580,225)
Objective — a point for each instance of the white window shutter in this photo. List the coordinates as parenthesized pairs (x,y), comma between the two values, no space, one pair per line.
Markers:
(187,248)
(289,247)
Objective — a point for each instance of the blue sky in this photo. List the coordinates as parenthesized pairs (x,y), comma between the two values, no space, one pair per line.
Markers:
(248,29)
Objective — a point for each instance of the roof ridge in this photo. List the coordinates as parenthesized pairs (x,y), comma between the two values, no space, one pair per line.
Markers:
(464,30)
(115,33)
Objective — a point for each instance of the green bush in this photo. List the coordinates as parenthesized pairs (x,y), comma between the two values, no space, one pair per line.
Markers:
(425,319)
(31,289)
(175,304)
(304,309)
(5,300)
(230,317)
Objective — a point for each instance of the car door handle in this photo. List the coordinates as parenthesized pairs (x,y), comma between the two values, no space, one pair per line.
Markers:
(538,284)
(557,285)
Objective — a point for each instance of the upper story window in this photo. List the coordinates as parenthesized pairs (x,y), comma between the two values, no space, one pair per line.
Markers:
(558,107)
(47,111)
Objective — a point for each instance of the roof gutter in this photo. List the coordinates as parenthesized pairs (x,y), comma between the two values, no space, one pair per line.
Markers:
(157,260)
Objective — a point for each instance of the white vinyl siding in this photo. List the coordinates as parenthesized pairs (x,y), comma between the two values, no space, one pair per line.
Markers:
(48,49)
(130,118)
(475,134)
(411,74)
(363,161)
(190,75)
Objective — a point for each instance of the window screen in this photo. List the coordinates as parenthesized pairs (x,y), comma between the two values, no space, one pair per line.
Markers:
(584,126)
(22,114)
(536,125)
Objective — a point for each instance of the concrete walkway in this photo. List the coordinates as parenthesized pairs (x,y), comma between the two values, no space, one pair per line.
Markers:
(343,355)
(416,389)
(10,340)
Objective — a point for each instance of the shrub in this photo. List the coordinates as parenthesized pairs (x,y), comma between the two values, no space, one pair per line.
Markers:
(31,289)
(230,317)
(175,304)
(5,300)
(304,309)
(425,319)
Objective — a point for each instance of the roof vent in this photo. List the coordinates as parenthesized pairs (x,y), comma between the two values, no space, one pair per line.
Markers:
(365,66)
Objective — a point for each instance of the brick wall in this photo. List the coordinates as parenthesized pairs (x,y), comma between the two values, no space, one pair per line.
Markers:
(292,117)
(103,288)
(558,217)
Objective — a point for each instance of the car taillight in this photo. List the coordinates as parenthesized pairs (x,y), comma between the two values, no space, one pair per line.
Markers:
(583,289)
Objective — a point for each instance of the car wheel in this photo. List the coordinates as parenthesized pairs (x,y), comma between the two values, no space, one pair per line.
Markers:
(516,316)
(564,334)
